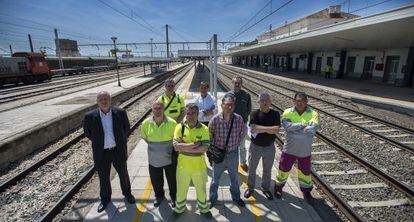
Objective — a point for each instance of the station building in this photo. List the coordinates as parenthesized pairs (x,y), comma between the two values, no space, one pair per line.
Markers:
(377,48)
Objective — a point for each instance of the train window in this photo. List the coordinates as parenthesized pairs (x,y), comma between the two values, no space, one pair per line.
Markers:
(22,66)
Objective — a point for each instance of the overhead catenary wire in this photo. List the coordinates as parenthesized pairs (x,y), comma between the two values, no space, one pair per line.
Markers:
(257,22)
(129,17)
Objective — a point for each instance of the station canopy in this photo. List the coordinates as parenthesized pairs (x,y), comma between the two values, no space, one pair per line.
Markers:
(195,53)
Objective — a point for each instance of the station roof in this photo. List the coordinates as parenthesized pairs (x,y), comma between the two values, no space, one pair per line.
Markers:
(390,29)
(195,53)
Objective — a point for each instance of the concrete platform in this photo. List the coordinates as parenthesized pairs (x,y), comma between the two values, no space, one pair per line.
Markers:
(24,129)
(399,99)
(291,207)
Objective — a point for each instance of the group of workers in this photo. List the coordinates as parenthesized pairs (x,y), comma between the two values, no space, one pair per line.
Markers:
(179,135)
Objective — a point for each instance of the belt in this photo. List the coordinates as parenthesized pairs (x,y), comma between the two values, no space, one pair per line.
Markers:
(109,149)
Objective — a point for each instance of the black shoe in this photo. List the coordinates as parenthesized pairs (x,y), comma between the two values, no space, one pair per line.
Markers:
(212,203)
(244,167)
(308,197)
(173,203)
(130,199)
(102,206)
(278,193)
(158,201)
(240,202)
(207,215)
(248,193)
(268,194)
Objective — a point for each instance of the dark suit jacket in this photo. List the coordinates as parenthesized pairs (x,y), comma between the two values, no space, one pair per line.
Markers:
(92,126)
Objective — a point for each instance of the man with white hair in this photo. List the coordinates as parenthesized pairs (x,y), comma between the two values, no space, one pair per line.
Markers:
(264,125)
(108,129)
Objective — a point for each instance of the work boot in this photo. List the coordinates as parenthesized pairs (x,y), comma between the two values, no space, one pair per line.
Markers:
(278,192)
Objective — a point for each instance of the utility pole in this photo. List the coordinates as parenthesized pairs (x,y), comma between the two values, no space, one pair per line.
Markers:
(215,65)
(168,47)
(116,61)
(152,53)
(30,42)
(58,52)
(11,50)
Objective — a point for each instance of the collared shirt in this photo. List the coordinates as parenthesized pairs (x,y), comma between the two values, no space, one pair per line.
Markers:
(108,128)
(300,130)
(219,129)
(159,139)
(205,104)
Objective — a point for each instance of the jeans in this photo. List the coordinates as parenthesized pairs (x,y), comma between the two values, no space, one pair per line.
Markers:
(231,163)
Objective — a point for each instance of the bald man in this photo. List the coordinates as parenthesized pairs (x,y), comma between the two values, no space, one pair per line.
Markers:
(108,128)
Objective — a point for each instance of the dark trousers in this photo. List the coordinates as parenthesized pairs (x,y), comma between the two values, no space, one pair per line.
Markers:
(157,180)
(104,172)
(327,75)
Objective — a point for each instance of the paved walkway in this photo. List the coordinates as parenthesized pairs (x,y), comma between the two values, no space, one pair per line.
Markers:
(291,208)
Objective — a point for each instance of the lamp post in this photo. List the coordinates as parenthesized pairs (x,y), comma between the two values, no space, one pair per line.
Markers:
(116,60)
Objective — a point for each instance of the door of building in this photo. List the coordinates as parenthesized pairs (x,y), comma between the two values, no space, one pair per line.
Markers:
(297,64)
(368,67)
(391,69)
(318,65)
(350,66)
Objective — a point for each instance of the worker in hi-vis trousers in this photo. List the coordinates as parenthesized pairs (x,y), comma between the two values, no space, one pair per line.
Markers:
(300,123)
(191,140)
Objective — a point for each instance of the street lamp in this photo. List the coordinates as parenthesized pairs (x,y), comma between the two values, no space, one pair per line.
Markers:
(116,60)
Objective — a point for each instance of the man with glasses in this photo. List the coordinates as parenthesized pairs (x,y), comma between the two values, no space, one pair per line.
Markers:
(300,123)
(219,127)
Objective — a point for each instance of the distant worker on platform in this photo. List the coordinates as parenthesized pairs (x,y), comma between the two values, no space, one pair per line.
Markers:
(328,71)
(191,140)
(243,107)
(300,123)
(174,103)
(158,131)
(205,103)
(264,125)
(108,128)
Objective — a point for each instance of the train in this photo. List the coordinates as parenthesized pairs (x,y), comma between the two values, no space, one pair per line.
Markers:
(26,67)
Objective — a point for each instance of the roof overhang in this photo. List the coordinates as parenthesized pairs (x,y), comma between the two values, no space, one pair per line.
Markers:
(390,29)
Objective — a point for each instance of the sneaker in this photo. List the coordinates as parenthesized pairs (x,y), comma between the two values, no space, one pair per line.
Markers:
(248,193)
(268,194)
(244,167)
(207,215)
(240,202)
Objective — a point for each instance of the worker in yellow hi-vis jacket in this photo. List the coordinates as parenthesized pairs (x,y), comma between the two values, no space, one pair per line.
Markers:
(191,140)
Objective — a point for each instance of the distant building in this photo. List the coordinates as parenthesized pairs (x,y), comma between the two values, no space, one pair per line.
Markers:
(316,20)
(68,48)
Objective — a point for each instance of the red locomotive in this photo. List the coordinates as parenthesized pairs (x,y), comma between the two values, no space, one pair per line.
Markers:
(24,67)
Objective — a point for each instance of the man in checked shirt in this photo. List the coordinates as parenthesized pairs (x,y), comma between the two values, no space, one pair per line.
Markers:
(219,127)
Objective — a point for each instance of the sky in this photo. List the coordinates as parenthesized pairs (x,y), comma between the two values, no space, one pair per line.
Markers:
(134,21)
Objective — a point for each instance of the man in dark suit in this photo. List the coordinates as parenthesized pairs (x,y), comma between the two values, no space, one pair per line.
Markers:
(108,127)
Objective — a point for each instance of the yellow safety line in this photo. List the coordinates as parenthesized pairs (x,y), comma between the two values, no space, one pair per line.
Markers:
(141,206)
(255,209)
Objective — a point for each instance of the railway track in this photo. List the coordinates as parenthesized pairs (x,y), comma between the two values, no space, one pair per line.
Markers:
(398,135)
(79,146)
(361,190)
(385,154)
(29,93)
(63,80)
